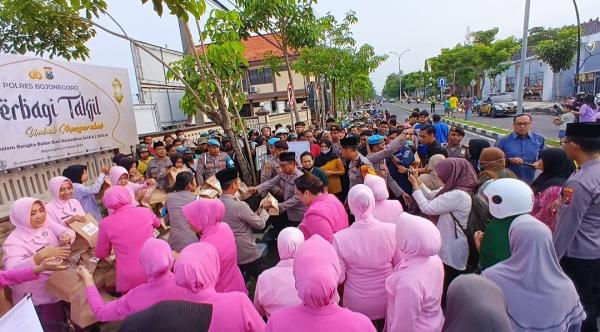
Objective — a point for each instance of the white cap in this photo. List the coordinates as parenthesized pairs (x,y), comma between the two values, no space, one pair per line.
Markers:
(509,197)
(282,130)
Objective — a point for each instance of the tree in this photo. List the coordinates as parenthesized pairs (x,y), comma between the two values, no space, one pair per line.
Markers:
(558,52)
(212,83)
(293,22)
(391,89)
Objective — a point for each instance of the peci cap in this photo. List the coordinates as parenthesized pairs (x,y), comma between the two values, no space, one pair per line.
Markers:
(287,156)
(349,141)
(583,129)
(227,175)
(458,130)
(281,145)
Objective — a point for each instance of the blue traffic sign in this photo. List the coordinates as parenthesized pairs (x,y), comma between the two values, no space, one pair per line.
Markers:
(441,82)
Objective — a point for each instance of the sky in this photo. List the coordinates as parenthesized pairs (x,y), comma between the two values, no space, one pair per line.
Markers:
(423,26)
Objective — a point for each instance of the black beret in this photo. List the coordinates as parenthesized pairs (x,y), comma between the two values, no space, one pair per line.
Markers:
(458,130)
(227,175)
(583,129)
(349,141)
(287,156)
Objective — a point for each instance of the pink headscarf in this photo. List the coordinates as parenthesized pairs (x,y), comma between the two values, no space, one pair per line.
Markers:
(317,272)
(204,213)
(156,257)
(416,237)
(115,173)
(288,242)
(116,197)
(54,188)
(20,215)
(361,202)
(197,267)
(456,173)
(377,186)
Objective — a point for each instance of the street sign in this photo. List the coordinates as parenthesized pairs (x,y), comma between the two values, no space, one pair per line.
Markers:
(473,83)
(441,82)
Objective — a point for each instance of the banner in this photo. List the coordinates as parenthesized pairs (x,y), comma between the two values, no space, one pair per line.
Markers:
(52,110)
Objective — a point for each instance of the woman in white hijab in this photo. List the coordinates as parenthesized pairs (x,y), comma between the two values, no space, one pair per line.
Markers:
(431,180)
(539,296)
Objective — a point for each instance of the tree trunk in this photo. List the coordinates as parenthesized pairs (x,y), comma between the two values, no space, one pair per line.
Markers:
(333,99)
(248,149)
(239,156)
(289,71)
(320,100)
(187,43)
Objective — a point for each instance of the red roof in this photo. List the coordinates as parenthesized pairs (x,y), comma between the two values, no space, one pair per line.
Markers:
(257,46)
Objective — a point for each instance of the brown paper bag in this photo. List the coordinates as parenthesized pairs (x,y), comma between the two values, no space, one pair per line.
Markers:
(214,183)
(81,313)
(274,205)
(64,284)
(87,233)
(157,196)
(244,191)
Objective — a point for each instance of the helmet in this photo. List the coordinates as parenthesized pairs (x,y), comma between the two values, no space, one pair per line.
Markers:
(509,197)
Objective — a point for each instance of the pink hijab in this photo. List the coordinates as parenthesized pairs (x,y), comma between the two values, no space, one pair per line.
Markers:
(317,271)
(20,215)
(416,237)
(156,257)
(456,173)
(386,210)
(204,214)
(361,202)
(117,198)
(115,173)
(197,267)
(288,242)
(54,188)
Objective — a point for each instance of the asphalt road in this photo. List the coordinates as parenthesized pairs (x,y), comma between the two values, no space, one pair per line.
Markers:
(542,123)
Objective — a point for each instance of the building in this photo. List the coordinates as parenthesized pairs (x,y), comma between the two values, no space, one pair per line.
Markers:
(264,87)
(540,81)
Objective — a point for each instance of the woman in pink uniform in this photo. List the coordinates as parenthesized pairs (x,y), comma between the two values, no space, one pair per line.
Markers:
(414,289)
(119,176)
(157,260)
(206,218)
(63,208)
(317,272)
(367,253)
(325,214)
(34,240)
(126,229)
(386,210)
(197,270)
(275,287)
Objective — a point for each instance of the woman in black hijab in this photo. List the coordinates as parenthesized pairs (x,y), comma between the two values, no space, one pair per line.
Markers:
(556,169)
(475,148)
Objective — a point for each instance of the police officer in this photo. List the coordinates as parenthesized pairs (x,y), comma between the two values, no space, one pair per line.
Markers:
(212,161)
(577,233)
(291,209)
(355,160)
(242,221)
(377,144)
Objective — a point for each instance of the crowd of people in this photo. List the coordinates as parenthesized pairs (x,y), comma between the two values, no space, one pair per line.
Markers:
(385,224)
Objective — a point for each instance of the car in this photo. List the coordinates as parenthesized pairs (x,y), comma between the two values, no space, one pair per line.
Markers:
(392,100)
(498,105)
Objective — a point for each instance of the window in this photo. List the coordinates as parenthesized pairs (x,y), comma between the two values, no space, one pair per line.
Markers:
(260,76)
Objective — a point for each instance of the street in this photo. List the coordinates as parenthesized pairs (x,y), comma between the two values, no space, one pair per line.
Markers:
(542,123)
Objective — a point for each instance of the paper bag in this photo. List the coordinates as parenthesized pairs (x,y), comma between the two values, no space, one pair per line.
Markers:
(5,301)
(81,313)
(214,183)
(87,233)
(207,192)
(274,205)
(244,191)
(157,196)
(64,284)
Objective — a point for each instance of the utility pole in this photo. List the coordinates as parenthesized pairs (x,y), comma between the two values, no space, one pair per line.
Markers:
(400,67)
(577,67)
(521,73)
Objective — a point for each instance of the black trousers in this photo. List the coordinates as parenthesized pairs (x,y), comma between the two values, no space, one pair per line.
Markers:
(254,268)
(450,274)
(585,274)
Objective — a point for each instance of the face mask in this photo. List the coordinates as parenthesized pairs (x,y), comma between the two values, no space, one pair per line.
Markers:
(325,151)
(408,143)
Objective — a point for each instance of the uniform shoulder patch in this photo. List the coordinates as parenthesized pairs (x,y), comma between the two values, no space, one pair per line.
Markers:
(567,195)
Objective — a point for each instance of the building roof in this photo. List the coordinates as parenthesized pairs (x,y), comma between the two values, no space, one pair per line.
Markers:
(590,27)
(257,46)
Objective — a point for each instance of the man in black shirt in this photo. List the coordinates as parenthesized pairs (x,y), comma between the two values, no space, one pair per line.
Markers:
(427,137)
